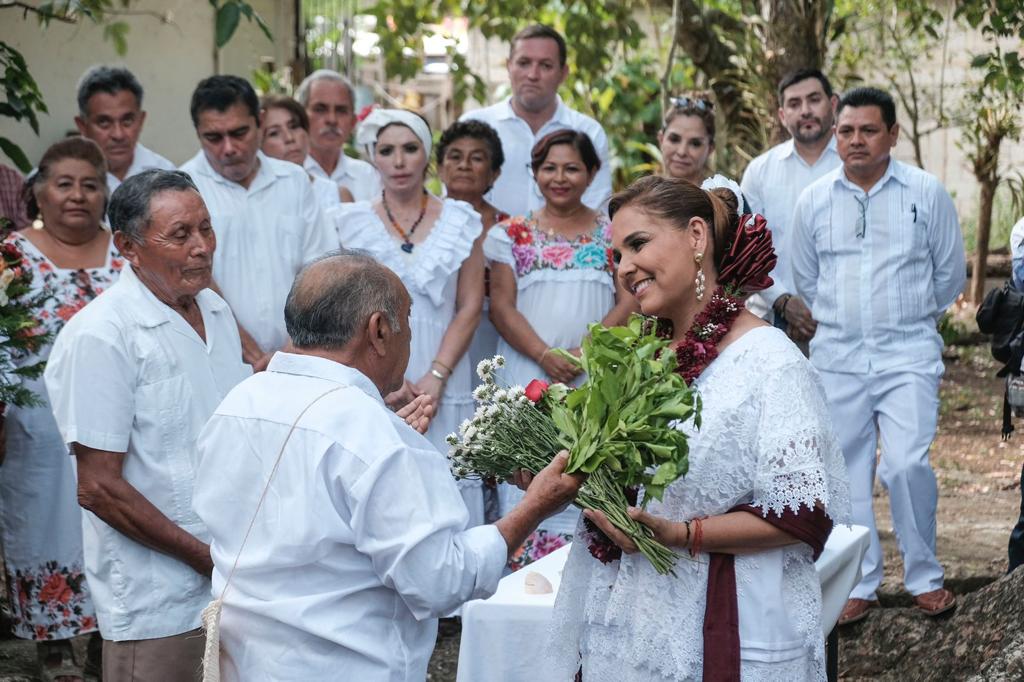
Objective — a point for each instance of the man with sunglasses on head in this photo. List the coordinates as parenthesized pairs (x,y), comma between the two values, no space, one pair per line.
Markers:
(876,251)
(536,68)
(773,181)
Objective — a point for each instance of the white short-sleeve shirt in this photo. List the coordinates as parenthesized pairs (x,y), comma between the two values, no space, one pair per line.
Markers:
(357,176)
(265,234)
(361,542)
(129,374)
(771,184)
(515,192)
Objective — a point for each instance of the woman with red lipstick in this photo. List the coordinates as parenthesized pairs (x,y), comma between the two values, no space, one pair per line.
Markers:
(551,276)
(687,138)
(433,245)
(766,480)
(72,259)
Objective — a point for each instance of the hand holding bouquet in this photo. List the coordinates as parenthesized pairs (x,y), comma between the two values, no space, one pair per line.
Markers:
(619,427)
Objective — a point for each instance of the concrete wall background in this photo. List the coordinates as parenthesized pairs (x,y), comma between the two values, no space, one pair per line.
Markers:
(169,60)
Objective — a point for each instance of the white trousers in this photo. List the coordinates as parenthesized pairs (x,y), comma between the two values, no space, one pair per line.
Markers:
(901,408)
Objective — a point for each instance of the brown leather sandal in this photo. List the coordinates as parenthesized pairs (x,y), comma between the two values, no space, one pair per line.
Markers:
(856,610)
(935,602)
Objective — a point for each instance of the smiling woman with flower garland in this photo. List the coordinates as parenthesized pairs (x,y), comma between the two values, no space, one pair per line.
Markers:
(766,478)
(551,276)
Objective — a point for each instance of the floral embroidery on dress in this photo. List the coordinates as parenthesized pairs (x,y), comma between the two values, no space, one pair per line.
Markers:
(538,545)
(52,602)
(533,249)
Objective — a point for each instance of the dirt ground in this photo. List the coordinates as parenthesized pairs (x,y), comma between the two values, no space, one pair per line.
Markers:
(979,501)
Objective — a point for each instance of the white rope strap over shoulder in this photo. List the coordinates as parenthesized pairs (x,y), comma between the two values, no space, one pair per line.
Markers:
(211,614)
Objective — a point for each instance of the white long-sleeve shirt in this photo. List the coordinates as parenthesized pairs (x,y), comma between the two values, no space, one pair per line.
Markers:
(265,234)
(771,185)
(360,544)
(515,192)
(877,298)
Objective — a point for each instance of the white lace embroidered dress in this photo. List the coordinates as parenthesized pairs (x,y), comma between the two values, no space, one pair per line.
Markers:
(766,439)
(431,274)
(561,287)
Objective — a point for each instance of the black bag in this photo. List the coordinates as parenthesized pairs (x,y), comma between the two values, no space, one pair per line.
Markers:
(1001,315)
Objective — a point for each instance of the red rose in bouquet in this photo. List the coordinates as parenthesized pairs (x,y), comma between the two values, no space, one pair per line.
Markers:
(747,265)
(535,390)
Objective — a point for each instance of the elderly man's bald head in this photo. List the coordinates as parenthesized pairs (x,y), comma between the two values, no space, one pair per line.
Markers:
(333,297)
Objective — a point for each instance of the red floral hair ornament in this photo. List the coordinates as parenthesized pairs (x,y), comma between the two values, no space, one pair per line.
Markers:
(746,266)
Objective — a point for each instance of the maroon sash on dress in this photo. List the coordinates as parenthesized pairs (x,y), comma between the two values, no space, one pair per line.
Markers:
(721,616)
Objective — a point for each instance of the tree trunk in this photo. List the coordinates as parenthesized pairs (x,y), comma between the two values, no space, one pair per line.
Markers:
(982,641)
(988,193)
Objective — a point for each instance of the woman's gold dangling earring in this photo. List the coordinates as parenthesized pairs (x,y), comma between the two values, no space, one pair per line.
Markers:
(38,224)
(699,259)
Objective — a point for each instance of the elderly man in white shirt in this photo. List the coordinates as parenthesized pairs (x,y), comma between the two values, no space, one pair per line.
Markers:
(361,508)
(329,100)
(264,210)
(110,114)
(132,378)
(536,68)
(774,180)
(876,252)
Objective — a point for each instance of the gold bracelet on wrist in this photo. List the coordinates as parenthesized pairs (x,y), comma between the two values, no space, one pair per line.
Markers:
(443,366)
(437,375)
(541,358)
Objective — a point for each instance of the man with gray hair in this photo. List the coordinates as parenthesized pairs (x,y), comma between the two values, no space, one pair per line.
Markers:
(337,489)
(329,100)
(110,114)
(132,378)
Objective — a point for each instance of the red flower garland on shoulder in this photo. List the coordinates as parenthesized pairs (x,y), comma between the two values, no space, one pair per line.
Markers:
(744,269)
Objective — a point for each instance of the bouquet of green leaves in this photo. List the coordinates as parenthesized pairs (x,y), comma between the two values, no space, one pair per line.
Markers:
(619,427)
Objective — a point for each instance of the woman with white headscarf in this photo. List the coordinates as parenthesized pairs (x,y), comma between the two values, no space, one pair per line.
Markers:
(435,247)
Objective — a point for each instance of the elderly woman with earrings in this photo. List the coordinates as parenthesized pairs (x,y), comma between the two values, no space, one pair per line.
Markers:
(551,276)
(687,137)
(766,477)
(434,246)
(72,258)
(285,129)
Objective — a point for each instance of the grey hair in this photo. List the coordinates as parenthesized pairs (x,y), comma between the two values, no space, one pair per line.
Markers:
(107,79)
(129,210)
(326,310)
(302,92)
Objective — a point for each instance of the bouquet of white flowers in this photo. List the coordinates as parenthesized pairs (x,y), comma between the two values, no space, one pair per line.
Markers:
(619,427)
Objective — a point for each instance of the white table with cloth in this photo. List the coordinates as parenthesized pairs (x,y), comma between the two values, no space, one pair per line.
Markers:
(503,636)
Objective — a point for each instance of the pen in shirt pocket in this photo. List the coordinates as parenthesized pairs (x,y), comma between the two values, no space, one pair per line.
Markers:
(913,209)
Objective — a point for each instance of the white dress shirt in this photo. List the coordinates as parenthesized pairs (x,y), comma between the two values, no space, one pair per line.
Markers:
(361,542)
(515,191)
(129,374)
(265,234)
(355,175)
(878,297)
(771,185)
(144,159)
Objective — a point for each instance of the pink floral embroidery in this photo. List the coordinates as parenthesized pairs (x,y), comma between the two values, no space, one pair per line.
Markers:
(557,255)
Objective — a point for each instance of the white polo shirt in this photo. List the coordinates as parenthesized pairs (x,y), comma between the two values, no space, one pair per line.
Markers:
(355,175)
(877,298)
(129,374)
(361,542)
(265,234)
(771,184)
(144,159)
(515,191)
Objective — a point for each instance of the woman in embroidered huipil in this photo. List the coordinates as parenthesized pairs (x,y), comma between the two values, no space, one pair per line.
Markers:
(72,259)
(433,245)
(551,276)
